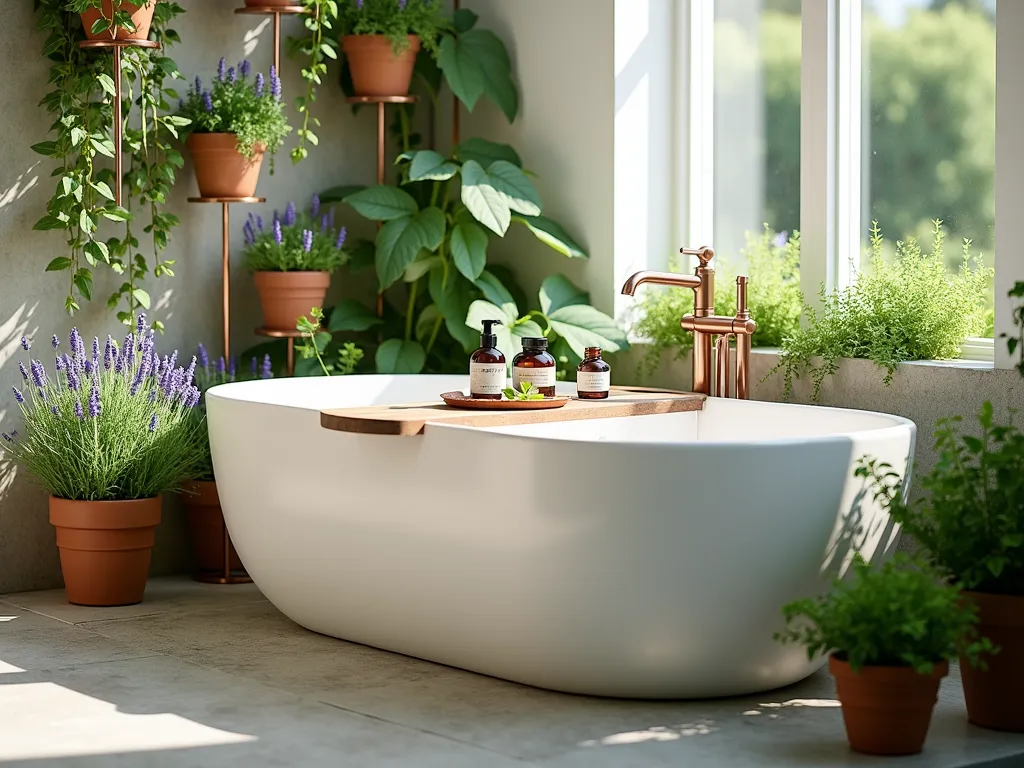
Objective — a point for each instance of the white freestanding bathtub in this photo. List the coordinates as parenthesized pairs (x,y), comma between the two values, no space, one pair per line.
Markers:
(639,557)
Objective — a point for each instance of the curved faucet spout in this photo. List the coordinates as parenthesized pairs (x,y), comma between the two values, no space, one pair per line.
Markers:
(659,278)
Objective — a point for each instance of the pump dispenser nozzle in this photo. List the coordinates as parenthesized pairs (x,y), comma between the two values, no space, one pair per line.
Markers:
(488,339)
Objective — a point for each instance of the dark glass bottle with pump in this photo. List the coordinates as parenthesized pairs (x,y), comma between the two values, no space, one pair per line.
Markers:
(593,376)
(536,366)
(487,367)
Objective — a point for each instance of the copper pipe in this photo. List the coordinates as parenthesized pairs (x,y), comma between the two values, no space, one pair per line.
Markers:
(722,362)
(743,366)
(226,276)
(291,356)
(716,324)
(117,126)
(380,178)
(277,43)
(659,278)
(227,551)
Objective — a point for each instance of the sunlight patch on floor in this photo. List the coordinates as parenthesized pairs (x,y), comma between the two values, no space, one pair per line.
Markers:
(655,733)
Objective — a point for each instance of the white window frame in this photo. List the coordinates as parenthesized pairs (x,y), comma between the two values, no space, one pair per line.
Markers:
(830,152)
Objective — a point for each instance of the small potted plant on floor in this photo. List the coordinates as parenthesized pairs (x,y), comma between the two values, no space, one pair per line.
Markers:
(115,19)
(106,435)
(292,258)
(233,123)
(889,633)
(381,39)
(202,503)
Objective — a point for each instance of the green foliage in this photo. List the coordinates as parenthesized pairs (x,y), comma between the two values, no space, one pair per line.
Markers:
(1016,343)
(118,18)
(395,20)
(315,342)
(109,428)
(300,242)
(249,108)
(526,391)
(911,308)
(317,48)
(84,196)
(893,616)
(971,522)
(772,262)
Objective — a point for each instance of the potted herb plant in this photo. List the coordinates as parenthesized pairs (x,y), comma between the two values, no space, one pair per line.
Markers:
(381,39)
(115,19)
(202,503)
(292,259)
(889,633)
(106,436)
(232,124)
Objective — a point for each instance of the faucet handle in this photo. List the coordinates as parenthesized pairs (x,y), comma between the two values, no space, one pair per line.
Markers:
(704,254)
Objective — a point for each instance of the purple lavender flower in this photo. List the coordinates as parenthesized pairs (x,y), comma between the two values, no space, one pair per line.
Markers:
(140,324)
(266,369)
(401,5)
(59,363)
(14,433)
(7,437)
(95,349)
(89,368)
(315,207)
(259,84)
(307,240)
(247,234)
(359,4)
(190,372)
(253,365)
(259,222)
(781,239)
(289,215)
(207,101)
(95,405)
(323,223)
(79,412)
(203,357)
(198,85)
(190,398)
(154,421)
(245,68)
(25,345)
(342,234)
(276,217)
(77,346)
(38,374)
(221,68)
(232,75)
(152,396)
(55,342)
(220,366)
(109,353)
(54,411)
(21,398)
(232,368)
(23,369)
(275,83)
(278,236)
(74,383)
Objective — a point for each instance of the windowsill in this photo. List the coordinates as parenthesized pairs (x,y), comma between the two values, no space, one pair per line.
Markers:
(974,365)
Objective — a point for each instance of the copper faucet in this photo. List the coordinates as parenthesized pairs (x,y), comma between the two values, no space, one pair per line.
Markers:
(706,325)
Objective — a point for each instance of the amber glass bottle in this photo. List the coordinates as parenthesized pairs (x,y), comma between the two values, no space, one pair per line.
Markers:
(487,372)
(593,376)
(536,366)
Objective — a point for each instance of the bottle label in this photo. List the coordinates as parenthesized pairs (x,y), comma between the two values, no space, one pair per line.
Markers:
(539,377)
(486,378)
(587,381)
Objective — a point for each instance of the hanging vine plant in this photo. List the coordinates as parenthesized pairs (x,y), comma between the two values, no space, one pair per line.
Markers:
(83,199)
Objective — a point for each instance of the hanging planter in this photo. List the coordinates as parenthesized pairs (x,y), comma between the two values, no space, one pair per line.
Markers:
(994,695)
(377,68)
(221,170)
(108,21)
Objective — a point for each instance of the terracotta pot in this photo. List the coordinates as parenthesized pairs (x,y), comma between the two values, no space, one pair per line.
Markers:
(142,18)
(995,698)
(376,69)
(887,710)
(105,548)
(206,527)
(287,296)
(221,170)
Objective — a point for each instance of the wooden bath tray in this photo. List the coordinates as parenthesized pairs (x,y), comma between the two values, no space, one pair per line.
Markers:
(411,418)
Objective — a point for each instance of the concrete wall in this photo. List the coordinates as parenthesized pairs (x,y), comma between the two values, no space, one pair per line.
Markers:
(31,301)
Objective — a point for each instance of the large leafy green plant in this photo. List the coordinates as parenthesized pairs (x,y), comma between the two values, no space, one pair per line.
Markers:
(910,308)
(80,100)
(893,616)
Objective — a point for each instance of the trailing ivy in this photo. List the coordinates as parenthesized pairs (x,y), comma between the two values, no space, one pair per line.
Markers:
(83,87)
(317,47)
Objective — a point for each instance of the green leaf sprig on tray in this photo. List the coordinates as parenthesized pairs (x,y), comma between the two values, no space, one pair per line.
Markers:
(83,202)
(305,241)
(897,615)
(526,391)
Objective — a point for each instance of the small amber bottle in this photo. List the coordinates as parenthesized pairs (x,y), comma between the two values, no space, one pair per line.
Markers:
(593,376)
(536,366)
(487,371)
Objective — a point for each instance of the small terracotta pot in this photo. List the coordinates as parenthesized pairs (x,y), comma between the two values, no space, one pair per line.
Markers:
(105,548)
(887,710)
(221,170)
(995,697)
(206,527)
(287,296)
(142,18)
(376,69)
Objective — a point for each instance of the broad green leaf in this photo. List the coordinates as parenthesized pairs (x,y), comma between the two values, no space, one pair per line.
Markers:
(516,186)
(85,221)
(102,24)
(507,279)
(498,294)
(452,298)
(106,83)
(362,254)
(116,213)
(48,222)
(469,249)
(423,264)
(142,297)
(383,203)
(557,291)
(552,234)
(487,152)
(399,356)
(400,241)
(103,146)
(464,20)
(481,310)
(83,282)
(583,326)
(339,193)
(77,136)
(430,165)
(526,329)
(103,189)
(350,315)
(97,249)
(426,321)
(464,75)
(46,148)
(487,53)
(488,205)
(59,263)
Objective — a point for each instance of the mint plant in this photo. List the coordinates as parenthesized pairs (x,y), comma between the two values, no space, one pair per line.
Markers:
(525,392)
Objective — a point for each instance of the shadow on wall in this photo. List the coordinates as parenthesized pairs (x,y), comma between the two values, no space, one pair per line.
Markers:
(19,188)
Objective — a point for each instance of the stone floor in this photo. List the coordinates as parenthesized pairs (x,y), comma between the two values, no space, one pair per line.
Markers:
(212,676)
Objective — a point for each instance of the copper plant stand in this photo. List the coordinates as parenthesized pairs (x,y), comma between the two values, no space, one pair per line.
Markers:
(277,11)
(291,336)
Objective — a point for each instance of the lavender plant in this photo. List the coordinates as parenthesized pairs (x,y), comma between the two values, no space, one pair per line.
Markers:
(396,20)
(296,242)
(111,424)
(249,107)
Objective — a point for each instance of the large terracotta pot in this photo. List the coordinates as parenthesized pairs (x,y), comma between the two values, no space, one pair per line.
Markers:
(887,710)
(105,548)
(142,18)
(376,69)
(206,527)
(287,296)
(221,170)
(995,697)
